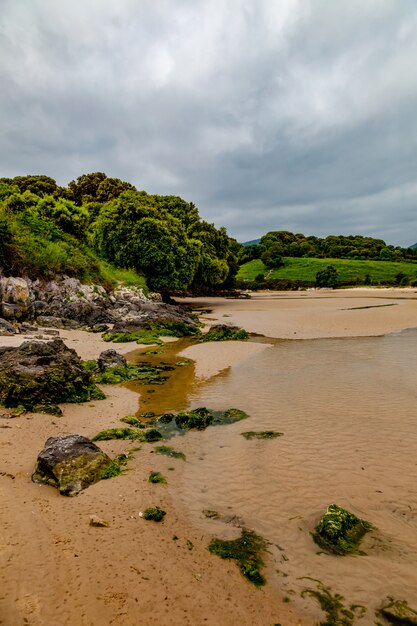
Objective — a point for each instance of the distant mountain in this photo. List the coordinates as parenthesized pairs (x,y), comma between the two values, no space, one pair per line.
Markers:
(254,242)
(413,246)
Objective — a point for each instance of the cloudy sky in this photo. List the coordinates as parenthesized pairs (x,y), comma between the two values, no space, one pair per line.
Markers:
(268,114)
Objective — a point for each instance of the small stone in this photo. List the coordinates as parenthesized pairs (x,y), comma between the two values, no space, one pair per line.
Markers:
(97,521)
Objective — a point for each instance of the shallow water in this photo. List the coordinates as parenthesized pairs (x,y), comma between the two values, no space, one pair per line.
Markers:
(347,408)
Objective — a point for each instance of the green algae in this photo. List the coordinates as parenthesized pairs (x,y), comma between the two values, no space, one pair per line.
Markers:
(152,435)
(399,612)
(157,478)
(220,332)
(333,606)
(201,417)
(168,451)
(197,419)
(340,531)
(154,514)
(246,550)
(116,467)
(148,436)
(263,434)
(132,421)
(152,334)
(118,433)
(145,372)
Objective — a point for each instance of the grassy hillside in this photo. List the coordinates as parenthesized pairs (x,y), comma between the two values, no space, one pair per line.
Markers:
(349,271)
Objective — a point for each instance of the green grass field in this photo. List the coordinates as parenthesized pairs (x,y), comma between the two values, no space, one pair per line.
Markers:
(349,270)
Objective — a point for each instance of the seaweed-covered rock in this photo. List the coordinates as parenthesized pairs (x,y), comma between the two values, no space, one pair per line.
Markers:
(340,531)
(110,358)
(222,332)
(399,612)
(70,463)
(39,374)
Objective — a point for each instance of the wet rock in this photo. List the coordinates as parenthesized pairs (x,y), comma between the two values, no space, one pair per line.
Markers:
(110,358)
(42,374)
(70,463)
(6,328)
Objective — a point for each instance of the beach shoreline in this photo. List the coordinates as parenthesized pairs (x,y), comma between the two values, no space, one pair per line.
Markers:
(54,565)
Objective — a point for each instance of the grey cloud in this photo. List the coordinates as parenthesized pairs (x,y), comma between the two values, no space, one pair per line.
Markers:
(297,115)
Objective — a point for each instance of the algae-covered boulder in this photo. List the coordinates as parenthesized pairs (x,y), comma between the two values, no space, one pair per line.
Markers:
(222,332)
(399,612)
(340,531)
(70,463)
(37,375)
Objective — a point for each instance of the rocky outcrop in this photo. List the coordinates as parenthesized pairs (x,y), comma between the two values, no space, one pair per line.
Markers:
(39,375)
(110,358)
(70,463)
(67,303)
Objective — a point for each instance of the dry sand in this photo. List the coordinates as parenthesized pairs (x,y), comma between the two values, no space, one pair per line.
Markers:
(56,569)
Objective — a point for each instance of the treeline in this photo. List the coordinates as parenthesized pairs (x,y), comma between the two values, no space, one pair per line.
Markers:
(46,229)
(276,245)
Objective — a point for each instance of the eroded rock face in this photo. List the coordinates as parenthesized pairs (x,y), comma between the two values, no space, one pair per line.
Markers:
(70,463)
(36,375)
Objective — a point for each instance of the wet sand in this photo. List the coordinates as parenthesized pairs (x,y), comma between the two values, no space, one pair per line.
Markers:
(55,568)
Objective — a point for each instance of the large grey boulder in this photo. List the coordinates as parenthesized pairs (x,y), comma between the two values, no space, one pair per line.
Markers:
(70,463)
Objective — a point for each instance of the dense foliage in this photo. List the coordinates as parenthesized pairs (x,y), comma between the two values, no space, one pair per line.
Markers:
(46,229)
(286,244)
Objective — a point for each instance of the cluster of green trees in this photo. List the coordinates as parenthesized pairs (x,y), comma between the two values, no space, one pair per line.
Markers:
(276,245)
(46,229)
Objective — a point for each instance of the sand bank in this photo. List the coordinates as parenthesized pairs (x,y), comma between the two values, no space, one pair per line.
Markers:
(316,314)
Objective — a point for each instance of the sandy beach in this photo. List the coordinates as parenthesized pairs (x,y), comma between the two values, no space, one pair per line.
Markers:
(57,569)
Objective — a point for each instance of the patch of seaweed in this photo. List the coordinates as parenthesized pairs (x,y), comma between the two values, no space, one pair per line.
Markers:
(200,418)
(157,478)
(247,550)
(332,605)
(399,612)
(263,434)
(168,451)
(142,371)
(128,433)
(116,467)
(340,531)
(154,514)
(221,332)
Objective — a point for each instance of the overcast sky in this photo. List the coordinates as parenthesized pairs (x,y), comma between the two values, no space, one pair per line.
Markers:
(267,114)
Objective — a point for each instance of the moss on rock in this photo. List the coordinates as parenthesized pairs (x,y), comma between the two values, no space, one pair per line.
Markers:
(221,332)
(70,463)
(340,531)
(41,375)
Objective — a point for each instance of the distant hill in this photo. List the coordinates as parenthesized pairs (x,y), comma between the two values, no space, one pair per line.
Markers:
(413,246)
(254,242)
